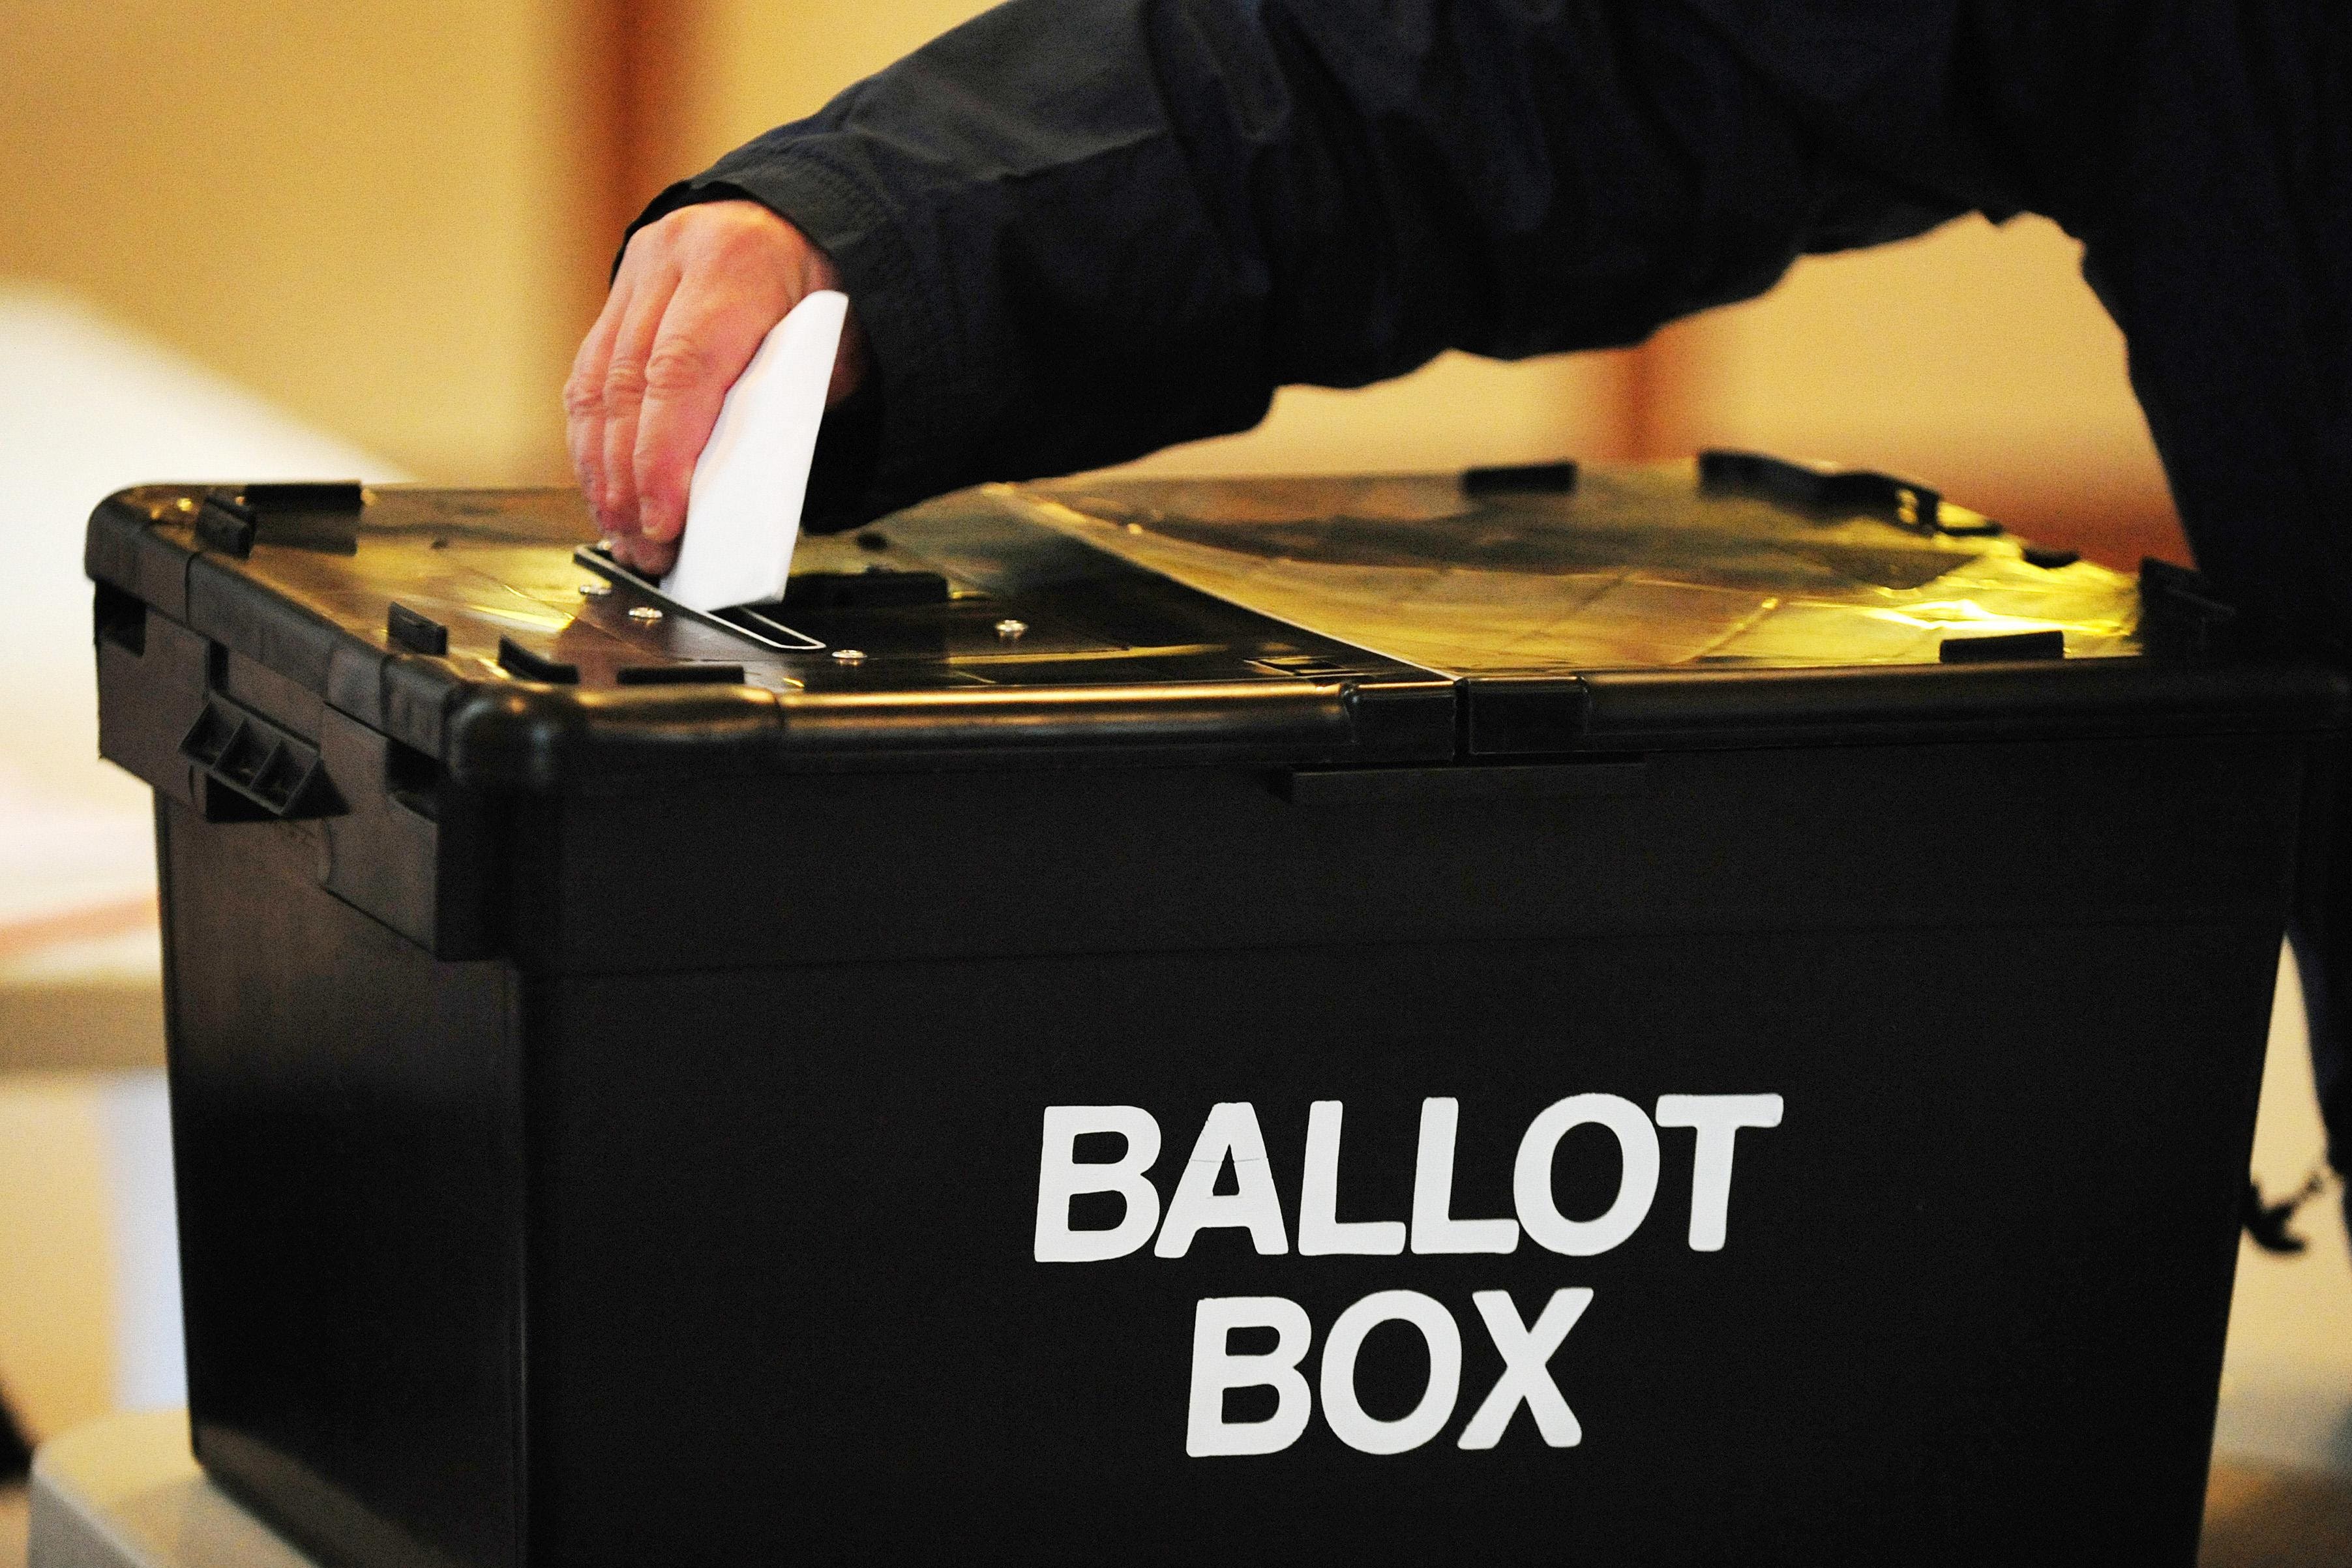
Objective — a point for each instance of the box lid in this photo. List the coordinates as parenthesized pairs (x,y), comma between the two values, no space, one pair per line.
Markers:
(1737,601)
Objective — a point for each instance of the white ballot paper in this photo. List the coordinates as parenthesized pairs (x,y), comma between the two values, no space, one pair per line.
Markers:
(743,504)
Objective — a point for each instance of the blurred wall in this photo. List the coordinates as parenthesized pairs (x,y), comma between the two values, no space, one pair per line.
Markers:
(373,214)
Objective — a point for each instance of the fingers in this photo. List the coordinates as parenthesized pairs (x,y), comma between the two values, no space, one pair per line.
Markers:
(583,393)
(708,336)
(624,390)
(697,292)
(647,558)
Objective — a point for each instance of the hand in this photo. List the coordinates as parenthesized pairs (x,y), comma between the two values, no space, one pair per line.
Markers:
(695,293)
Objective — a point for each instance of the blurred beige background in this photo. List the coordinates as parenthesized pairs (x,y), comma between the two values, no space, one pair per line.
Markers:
(380,216)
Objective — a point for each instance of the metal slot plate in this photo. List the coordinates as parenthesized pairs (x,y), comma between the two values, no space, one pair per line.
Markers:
(748,621)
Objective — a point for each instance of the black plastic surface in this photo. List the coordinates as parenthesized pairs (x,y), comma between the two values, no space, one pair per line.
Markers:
(276,497)
(1815,838)
(2184,616)
(348,1159)
(608,1129)
(225,523)
(1820,488)
(253,768)
(679,674)
(758,1251)
(520,661)
(983,638)
(875,588)
(1553,478)
(417,633)
(2004,646)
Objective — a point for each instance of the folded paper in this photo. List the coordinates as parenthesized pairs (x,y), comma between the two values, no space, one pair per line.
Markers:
(743,510)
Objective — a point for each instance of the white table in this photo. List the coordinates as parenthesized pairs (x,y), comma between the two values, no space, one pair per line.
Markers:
(123,1493)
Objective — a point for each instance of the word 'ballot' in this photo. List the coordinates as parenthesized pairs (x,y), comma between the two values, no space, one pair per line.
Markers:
(1231,1140)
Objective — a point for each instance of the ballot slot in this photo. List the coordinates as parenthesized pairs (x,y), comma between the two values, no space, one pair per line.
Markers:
(863,594)
(752,620)
(911,609)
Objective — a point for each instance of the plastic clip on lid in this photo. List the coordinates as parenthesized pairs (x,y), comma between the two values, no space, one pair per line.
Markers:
(743,506)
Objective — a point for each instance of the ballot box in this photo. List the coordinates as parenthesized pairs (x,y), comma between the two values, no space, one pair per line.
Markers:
(1706,1012)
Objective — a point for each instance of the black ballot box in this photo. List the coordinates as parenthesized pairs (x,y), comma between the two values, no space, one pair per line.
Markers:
(1693,1013)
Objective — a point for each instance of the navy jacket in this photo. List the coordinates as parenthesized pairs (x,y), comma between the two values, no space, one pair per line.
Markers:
(1077,230)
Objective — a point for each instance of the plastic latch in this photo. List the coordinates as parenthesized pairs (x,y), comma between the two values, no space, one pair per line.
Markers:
(516,659)
(1828,488)
(226,524)
(2003,647)
(1533,478)
(417,633)
(307,495)
(305,516)
(875,588)
(265,770)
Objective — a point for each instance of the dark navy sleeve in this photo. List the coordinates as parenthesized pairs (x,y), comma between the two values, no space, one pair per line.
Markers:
(2218,229)
(1078,230)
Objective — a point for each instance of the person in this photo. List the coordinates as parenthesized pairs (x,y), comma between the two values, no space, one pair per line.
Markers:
(1074,230)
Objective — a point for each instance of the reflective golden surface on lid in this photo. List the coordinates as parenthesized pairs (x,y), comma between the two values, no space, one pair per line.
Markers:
(1637,567)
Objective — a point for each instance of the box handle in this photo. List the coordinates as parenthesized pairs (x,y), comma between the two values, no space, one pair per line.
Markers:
(253,769)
